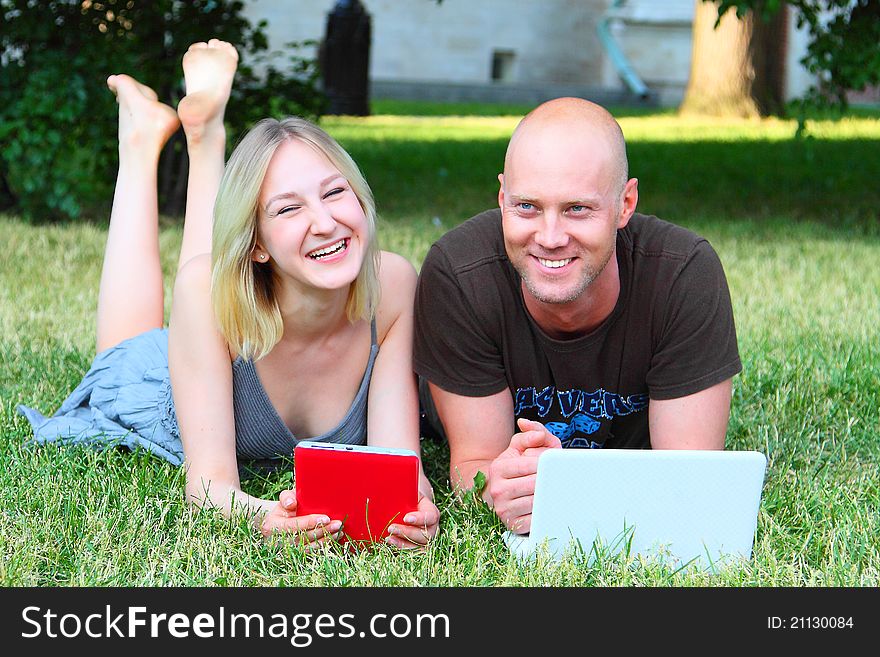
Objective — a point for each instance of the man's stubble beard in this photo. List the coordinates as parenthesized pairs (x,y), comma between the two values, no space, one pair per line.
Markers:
(587,277)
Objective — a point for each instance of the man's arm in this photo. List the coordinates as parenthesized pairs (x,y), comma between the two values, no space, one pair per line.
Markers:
(478,430)
(481,438)
(697,421)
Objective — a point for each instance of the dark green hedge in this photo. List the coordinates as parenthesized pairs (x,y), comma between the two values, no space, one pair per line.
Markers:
(58,119)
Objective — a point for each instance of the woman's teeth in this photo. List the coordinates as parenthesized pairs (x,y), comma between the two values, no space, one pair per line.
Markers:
(327,251)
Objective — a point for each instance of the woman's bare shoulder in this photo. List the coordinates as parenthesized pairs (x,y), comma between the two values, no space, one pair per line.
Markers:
(397,282)
(394,268)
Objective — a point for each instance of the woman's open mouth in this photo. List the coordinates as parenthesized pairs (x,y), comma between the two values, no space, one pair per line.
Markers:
(329,251)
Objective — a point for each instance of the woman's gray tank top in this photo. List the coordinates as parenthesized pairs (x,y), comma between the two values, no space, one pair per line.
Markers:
(261,434)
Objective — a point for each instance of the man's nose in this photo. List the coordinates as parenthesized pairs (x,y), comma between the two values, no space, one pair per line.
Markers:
(551,232)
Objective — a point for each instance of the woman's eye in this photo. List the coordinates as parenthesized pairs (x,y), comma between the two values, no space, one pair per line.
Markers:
(288,209)
(334,192)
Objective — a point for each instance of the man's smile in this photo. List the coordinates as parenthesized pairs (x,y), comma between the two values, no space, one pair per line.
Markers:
(553,264)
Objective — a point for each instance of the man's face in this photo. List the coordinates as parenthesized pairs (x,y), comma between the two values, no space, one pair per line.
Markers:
(561,205)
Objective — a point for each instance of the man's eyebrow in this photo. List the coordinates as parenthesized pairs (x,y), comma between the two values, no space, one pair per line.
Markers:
(522,198)
(525,198)
(588,201)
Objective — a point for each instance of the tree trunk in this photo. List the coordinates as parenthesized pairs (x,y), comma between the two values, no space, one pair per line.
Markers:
(769,49)
(737,69)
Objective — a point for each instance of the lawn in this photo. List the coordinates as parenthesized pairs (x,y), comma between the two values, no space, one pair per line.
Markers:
(796,224)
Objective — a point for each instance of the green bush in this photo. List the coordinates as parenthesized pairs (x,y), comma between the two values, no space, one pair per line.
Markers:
(58,120)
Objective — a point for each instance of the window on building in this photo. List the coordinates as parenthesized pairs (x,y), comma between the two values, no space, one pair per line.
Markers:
(502,65)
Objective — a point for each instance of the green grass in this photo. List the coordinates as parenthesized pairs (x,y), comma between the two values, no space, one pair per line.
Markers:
(420,108)
(795,224)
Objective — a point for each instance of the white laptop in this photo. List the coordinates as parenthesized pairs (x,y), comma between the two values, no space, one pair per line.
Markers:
(679,506)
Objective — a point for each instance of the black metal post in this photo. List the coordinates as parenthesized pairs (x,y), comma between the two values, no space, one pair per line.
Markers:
(345,59)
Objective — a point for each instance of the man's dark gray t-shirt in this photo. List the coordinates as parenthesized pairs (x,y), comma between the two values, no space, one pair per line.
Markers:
(671,333)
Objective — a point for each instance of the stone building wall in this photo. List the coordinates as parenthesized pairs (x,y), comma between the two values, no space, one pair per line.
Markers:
(520,43)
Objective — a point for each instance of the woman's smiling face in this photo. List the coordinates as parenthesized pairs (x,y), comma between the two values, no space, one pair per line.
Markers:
(311,224)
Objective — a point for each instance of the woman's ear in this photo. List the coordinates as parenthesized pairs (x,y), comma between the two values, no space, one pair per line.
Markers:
(259,254)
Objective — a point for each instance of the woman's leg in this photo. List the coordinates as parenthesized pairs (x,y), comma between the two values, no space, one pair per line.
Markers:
(130,297)
(208,71)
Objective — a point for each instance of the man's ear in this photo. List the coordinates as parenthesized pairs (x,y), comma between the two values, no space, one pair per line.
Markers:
(628,202)
(501,190)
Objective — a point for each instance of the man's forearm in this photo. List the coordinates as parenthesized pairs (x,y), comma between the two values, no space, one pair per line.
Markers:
(470,475)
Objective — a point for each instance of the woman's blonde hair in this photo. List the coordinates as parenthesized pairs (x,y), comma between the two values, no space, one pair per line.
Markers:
(243,291)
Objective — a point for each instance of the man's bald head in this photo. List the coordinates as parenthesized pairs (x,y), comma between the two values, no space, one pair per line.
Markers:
(570,119)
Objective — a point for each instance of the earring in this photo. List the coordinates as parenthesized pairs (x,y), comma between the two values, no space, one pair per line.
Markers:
(262,256)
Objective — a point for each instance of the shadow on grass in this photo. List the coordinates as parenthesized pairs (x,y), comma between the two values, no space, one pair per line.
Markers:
(830,182)
(390,107)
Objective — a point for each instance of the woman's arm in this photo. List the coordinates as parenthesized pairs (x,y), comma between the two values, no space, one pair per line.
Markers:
(393,415)
(201,383)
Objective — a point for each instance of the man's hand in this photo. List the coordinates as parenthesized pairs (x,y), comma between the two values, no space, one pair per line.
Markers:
(512,475)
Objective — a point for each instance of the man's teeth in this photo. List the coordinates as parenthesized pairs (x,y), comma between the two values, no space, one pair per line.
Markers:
(327,251)
(554,264)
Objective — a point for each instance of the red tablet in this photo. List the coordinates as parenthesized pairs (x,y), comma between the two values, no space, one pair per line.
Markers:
(368,488)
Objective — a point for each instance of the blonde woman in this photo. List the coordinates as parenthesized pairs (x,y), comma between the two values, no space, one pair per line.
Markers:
(291,326)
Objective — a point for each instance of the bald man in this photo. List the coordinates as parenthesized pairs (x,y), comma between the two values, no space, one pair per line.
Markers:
(566,319)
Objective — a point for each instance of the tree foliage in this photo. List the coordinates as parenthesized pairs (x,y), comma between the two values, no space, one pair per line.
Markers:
(58,120)
(844,45)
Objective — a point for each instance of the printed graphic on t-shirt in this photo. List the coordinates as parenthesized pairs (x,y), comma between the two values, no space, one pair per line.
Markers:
(580,412)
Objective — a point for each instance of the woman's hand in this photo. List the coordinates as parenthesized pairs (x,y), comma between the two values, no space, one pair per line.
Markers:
(311,530)
(418,527)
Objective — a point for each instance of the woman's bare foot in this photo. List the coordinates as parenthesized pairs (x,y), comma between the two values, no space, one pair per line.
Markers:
(208,69)
(145,124)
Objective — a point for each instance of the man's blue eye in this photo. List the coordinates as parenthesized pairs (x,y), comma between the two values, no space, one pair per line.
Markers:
(526,206)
